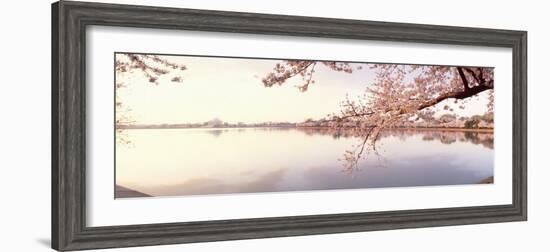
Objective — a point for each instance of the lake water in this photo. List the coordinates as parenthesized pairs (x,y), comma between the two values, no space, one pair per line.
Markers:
(176,162)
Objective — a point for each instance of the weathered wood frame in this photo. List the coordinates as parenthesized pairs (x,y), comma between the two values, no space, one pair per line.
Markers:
(69,21)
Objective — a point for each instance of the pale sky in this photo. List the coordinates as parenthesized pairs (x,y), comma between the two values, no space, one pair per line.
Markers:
(231,89)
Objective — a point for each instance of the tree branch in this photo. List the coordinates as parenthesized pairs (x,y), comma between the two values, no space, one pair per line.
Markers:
(480,75)
(301,70)
(473,74)
(456,95)
(463,78)
(306,85)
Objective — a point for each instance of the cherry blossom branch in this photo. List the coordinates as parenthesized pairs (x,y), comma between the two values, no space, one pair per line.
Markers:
(463,78)
(459,95)
(305,68)
(473,74)
(399,92)
(152,67)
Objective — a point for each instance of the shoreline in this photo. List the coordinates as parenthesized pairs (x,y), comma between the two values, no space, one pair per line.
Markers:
(124,192)
(488,180)
(482,130)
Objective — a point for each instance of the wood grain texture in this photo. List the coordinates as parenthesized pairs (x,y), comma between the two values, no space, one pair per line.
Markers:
(69,21)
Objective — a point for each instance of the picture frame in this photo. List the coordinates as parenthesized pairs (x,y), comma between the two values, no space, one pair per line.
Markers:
(68,180)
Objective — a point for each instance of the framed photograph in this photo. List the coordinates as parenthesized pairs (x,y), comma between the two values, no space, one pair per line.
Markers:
(177,125)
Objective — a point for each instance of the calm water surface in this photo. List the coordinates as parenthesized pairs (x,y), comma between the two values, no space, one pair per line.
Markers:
(173,162)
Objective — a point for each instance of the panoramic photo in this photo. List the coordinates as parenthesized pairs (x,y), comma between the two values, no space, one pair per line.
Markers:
(199,125)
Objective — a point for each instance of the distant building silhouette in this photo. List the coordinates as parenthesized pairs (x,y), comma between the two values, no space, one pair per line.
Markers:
(214,123)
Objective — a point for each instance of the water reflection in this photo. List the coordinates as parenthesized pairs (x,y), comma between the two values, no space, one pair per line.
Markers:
(444,136)
(174,162)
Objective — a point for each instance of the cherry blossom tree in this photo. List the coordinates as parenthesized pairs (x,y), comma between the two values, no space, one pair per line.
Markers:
(399,93)
(150,67)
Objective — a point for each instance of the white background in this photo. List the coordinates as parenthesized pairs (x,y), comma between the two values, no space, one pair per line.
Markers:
(25,128)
